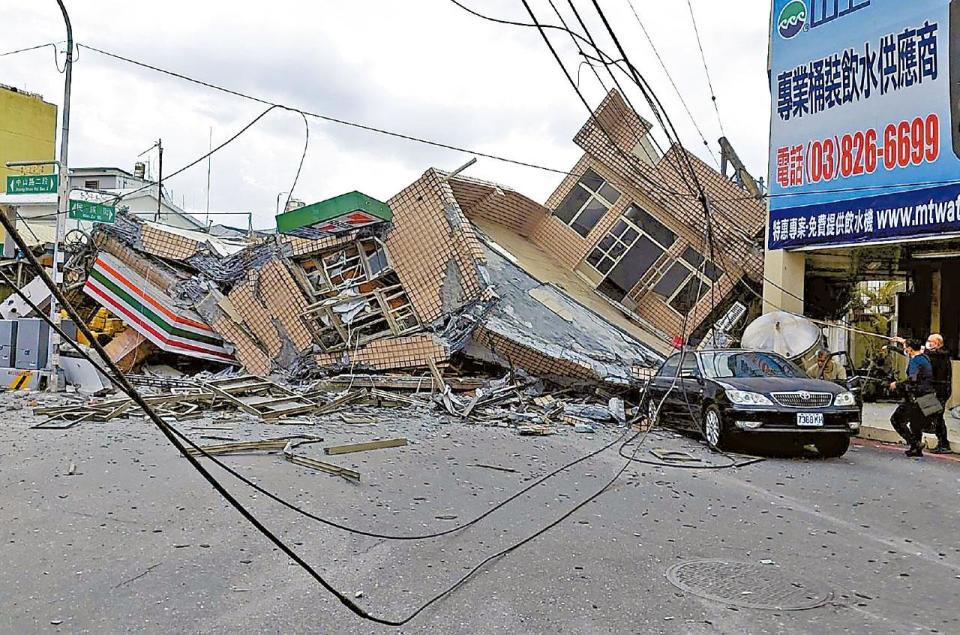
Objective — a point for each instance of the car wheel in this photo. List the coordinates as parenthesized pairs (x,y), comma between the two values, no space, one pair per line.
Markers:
(713,430)
(832,446)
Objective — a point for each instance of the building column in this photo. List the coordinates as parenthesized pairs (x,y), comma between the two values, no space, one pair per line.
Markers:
(936,296)
(783,273)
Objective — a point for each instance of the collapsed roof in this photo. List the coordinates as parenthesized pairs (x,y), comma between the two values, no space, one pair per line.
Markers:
(390,295)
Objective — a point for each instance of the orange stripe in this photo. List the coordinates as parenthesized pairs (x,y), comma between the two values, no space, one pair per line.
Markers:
(170,314)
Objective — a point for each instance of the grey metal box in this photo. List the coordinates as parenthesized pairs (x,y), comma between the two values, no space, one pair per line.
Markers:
(33,339)
(70,329)
(8,343)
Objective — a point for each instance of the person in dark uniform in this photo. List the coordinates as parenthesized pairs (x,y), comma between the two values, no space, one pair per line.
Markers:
(907,419)
(943,385)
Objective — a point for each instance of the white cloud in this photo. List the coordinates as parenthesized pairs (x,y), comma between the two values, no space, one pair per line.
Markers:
(422,67)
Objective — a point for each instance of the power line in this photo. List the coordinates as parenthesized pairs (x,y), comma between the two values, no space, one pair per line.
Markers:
(175,437)
(322,117)
(631,159)
(30,48)
(669,75)
(306,145)
(623,93)
(706,68)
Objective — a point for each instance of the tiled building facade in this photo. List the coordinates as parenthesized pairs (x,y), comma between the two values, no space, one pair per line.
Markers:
(626,222)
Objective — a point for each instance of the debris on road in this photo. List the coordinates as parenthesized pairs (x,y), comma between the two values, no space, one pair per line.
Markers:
(365,447)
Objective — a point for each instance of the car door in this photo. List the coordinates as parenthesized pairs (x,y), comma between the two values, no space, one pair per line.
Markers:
(661,383)
(689,393)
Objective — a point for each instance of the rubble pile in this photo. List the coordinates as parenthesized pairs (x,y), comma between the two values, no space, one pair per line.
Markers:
(424,290)
(516,401)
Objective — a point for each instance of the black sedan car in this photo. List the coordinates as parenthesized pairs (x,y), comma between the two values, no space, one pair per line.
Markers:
(730,394)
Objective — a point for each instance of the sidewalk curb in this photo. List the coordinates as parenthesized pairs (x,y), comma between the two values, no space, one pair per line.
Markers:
(886,435)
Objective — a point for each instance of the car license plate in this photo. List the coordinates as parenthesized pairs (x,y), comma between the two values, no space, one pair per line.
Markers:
(810,420)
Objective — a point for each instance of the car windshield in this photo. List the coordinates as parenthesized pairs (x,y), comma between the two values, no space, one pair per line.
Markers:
(747,364)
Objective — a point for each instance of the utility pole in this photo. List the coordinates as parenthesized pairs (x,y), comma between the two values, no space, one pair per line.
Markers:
(63,206)
(209,159)
(159,146)
(160,180)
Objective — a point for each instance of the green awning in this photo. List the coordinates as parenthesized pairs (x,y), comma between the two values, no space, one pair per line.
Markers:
(338,215)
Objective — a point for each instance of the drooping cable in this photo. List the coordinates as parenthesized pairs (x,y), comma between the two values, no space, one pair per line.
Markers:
(322,117)
(306,146)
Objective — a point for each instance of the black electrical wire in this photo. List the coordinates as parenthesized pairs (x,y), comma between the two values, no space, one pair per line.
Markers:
(593,44)
(116,198)
(113,378)
(173,436)
(630,159)
(30,48)
(306,145)
(285,503)
(734,463)
(117,376)
(707,210)
(708,231)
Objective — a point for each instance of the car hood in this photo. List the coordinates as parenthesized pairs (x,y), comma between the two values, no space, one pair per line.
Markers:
(781,384)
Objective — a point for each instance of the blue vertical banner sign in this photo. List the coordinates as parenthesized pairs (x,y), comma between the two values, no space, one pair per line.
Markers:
(864,140)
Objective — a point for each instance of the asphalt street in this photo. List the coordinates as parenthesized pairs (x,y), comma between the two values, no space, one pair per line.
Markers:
(103,528)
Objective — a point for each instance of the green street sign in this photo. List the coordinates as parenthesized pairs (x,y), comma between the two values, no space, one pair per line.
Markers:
(85,210)
(32,184)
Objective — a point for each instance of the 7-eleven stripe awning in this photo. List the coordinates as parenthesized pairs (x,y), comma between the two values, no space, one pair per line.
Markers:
(148,310)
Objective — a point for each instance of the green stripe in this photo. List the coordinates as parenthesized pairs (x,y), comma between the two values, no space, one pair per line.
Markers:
(153,317)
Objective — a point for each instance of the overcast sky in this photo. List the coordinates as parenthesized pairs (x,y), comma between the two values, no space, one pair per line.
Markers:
(420,67)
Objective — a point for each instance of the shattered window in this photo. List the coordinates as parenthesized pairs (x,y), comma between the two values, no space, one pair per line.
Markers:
(377,262)
(632,266)
(634,245)
(587,202)
(672,280)
(691,293)
(695,259)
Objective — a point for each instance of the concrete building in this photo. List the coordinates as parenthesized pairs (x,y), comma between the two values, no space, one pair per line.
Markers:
(28,132)
(863,169)
(625,229)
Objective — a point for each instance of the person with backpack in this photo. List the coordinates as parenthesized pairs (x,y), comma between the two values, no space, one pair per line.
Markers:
(909,418)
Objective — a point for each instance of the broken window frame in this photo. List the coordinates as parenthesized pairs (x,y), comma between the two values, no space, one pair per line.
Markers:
(357,272)
(330,276)
(596,194)
(691,261)
(633,219)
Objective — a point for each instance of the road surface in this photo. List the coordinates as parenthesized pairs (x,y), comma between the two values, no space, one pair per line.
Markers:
(134,540)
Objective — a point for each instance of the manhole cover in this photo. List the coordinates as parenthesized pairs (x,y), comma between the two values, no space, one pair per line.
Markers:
(753,586)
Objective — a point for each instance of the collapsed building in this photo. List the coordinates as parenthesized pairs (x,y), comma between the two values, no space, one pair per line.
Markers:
(591,287)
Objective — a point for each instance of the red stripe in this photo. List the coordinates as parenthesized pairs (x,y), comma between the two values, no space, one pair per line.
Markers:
(132,287)
(132,317)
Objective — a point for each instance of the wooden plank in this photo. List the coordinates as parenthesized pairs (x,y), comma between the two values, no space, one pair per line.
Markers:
(364,447)
(314,464)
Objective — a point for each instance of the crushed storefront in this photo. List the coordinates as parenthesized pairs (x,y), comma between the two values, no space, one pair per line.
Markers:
(451,272)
